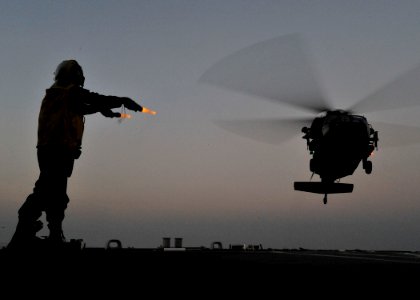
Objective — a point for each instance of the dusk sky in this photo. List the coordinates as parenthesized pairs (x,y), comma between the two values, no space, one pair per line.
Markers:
(178,174)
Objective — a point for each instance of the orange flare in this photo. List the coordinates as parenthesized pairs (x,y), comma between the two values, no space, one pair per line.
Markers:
(125,116)
(145,110)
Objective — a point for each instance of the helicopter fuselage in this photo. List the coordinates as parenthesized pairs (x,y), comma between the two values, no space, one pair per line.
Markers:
(338,142)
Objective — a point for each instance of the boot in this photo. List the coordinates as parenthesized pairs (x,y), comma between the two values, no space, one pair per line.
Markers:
(25,235)
(56,237)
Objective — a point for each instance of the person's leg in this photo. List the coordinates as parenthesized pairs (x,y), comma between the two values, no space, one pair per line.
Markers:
(28,223)
(49,195)
(55,216)
(58,166)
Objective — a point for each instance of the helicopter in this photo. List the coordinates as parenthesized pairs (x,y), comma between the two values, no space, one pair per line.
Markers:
(279,70)
(338,142)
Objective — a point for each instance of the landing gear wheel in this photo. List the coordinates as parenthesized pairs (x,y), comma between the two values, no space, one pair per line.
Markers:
(312,166)
(368,167)
(325,199)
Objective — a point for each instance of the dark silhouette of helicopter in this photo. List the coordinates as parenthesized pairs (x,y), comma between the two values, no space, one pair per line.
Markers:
(338,140)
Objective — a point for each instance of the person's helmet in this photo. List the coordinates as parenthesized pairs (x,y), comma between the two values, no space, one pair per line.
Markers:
(69,71)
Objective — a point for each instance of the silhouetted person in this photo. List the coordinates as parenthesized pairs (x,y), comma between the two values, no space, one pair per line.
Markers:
(60,131)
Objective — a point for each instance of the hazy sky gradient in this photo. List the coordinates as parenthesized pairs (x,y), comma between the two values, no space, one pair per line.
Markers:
(177,174)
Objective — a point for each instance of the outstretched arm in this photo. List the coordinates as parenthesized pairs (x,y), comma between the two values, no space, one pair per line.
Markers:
(94,102)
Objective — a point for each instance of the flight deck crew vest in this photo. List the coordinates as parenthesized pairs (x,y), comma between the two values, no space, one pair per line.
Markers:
(61,121)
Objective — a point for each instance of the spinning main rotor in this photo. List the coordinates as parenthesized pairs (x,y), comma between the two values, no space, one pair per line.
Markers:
(279,70)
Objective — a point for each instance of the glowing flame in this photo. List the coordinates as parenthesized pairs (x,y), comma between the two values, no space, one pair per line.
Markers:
(145,110)
(125,116)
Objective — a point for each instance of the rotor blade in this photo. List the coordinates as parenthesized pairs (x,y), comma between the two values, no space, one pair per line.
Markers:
(271,131)
(393,135)
(404,91)
(276,69)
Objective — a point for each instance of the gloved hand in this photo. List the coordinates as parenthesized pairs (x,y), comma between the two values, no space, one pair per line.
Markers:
(132,105)
(110,114)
